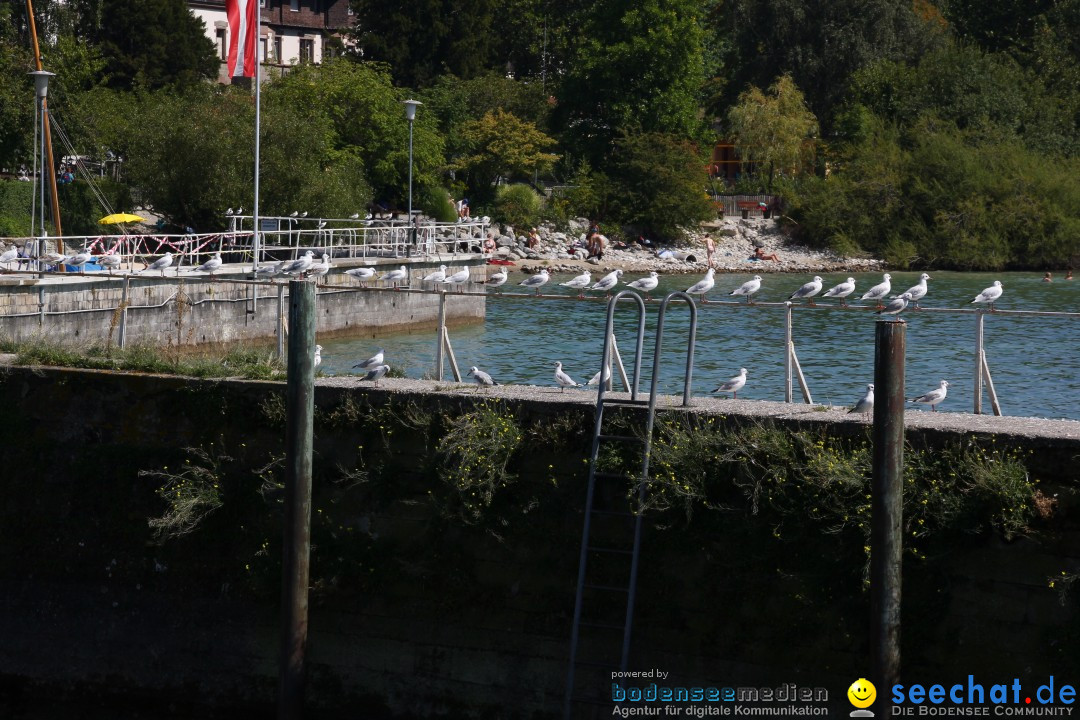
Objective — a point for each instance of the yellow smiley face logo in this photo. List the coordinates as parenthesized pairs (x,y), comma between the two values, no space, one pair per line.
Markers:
(862,693)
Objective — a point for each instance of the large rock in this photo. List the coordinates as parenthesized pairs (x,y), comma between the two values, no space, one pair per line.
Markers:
(504,242)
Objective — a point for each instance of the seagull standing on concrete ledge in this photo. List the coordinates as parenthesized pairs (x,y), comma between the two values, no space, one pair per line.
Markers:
(734,385)
(934,397)
(210,265)
(482,378)
(162,263)
(562,379)
(371,362)
(866,403)
(377,372)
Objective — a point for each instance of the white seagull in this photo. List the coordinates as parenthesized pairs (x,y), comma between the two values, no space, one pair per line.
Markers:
(918,292)
(562,379)
(579,283)
(53,258)
(459,278)
(318,355)
(646,284)
(879,291)
(210,265)
(436,277)
(734,385)
(377,372)
(535,281)
(270,269)
(9,256)
(496,279)
(395,276)
(162,263)
(842,290)
(373,361)
(361,274)
(109,261)
(896,306)
(748,288)
(298,266)
(934,397)
(608,281)
(866,402)
(702,286)
(808,291)
(322,268)
(82,257)
(989,295)
(482,378)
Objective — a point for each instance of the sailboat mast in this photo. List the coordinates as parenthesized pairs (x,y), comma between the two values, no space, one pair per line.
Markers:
(48,135)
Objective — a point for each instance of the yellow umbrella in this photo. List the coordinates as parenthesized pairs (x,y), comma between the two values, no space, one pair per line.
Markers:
(117,218)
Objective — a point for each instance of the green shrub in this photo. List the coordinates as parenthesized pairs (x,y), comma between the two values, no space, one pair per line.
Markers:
(15,199)
(519,205)
(435,201)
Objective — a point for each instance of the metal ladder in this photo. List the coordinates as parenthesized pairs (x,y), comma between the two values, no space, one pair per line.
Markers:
(603,578)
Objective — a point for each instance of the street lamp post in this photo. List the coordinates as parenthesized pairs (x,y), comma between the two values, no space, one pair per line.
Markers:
(41,87)
(410,115)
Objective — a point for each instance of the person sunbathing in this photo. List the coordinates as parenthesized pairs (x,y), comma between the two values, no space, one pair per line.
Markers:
(760,254)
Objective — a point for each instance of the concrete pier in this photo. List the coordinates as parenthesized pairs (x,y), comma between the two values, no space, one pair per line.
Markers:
(193,309)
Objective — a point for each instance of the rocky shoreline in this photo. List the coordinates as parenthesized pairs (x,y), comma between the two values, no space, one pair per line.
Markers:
(735,240)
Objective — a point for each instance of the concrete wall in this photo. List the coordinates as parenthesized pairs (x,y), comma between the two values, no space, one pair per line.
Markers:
(196,311)
(419,608)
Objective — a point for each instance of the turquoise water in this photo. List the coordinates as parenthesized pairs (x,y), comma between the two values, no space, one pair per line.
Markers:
(1032,359)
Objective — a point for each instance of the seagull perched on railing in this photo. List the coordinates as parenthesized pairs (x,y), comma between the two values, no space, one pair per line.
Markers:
(270,269)
(748,288)
(808,291)
(535,281)
(917,292)
(842,290)
(209,266)
(9,256)
(354,216)
(703,286)
(162,264)
(562,379)
(300,265)
(896,306)
(294,213)
(990,295)
(579,283)
(322,268)
(229,211)
(459,278)
(362,274)
(80,259)
(646,284)
(496,279)
(109,261)
(608,281)
(879,291)
(395,276)
(934,397)
(436,277)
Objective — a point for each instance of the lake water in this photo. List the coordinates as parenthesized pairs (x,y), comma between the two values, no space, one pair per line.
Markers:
(1032,359)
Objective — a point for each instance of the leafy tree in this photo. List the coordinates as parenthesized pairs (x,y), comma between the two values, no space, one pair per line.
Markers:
(518,205)
(151,43)
(660,181)
(367,121)
(636,67)
(774,131)
(421,39)
(16,93)
(502,147)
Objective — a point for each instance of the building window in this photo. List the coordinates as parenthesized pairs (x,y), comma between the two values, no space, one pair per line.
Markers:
(277,50)
(221,45)
(307,51)
(262,4)
(262,50)
(294,5)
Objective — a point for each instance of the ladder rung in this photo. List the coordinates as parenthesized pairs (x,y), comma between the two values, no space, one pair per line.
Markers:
(621,438)
(610,550)
(604,626)
(612,588)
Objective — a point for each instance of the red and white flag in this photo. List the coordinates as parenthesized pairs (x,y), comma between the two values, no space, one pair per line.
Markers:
(243,36)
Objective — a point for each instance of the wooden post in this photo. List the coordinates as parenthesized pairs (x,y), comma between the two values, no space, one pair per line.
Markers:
(886,508)
(296,549)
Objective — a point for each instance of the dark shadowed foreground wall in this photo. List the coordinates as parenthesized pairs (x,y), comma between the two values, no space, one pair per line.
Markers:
(440,589)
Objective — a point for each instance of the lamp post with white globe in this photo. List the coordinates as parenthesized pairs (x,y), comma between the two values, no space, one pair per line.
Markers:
(410,115)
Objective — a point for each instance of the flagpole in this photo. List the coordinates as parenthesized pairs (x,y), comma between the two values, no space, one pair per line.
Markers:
(258,107)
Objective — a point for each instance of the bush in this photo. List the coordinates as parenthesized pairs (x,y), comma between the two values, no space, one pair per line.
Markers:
(435,201)
(518,205)
(15,199)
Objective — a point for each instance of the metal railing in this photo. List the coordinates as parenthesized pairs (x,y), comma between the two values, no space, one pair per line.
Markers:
(793,370)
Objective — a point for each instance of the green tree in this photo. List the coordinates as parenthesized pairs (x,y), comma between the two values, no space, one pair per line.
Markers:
(151,43)
(659,181)
(368,122)
(774,131)
(502,147)
(635,67)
